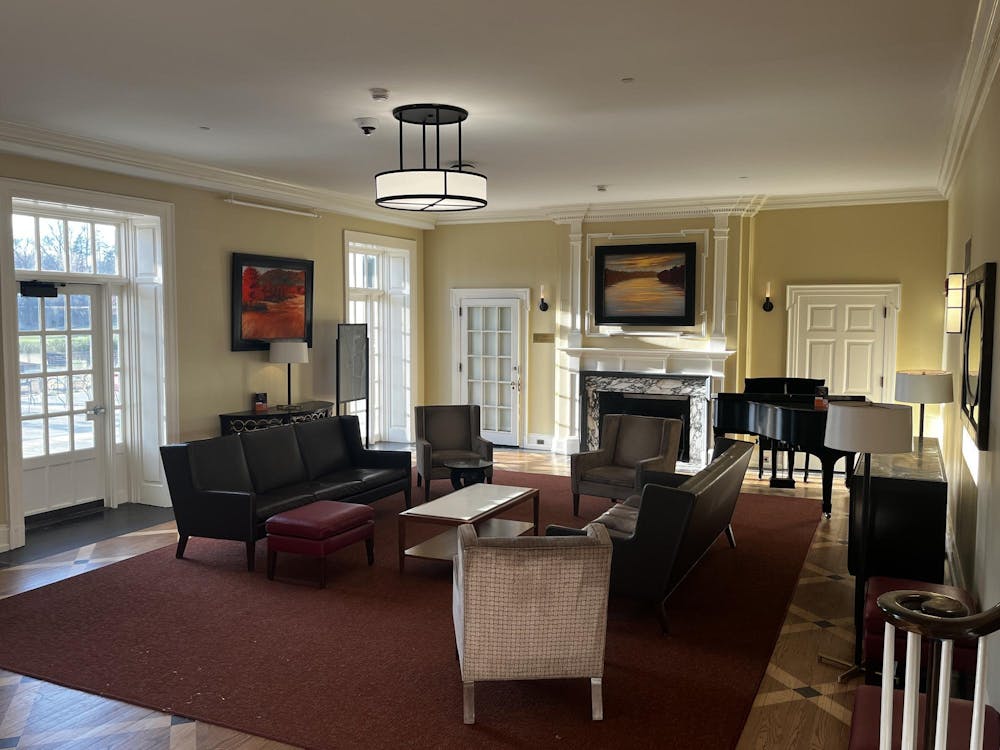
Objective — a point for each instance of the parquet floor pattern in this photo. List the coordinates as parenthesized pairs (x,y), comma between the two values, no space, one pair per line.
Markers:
(800,704)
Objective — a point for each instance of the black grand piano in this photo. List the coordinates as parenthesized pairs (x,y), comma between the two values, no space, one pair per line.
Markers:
(781,413)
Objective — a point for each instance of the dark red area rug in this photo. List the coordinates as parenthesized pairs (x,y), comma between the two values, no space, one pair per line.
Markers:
(370,661)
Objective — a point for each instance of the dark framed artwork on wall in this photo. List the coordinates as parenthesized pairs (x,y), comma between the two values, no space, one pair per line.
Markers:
(977,351)
(648,285)
(272,299)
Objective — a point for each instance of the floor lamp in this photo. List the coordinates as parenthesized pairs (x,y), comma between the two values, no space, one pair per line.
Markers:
(863,427)
(923,387)
(289,352)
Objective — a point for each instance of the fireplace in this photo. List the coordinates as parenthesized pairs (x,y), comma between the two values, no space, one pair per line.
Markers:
(679,396)
(649,405)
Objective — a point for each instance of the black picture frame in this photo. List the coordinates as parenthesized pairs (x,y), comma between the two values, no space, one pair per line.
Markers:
(251,311)
(977,351)
(605,255)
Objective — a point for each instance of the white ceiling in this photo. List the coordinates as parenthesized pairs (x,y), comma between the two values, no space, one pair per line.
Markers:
(784,97)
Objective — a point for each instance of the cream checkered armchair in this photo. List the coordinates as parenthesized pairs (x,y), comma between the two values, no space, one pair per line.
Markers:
(531,608)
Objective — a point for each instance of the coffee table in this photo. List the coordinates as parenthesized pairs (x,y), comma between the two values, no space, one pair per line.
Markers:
(467,471)
(478,504)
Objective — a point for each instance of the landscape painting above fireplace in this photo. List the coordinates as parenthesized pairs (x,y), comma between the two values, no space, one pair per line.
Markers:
(645,284)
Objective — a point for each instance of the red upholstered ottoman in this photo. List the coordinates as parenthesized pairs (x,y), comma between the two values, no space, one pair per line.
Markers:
(317,529)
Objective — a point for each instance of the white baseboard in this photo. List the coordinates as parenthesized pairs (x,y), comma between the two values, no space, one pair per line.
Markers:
(538,442)
(4,537)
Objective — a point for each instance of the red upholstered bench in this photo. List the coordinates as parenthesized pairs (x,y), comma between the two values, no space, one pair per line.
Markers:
(317,529)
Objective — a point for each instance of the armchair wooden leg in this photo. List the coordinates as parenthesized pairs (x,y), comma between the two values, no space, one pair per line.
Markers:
(576,503)
(661,616)
(596,699)
(272,559)
(181,544)
(469,702)
(370,548)
(730,536)
(251,554)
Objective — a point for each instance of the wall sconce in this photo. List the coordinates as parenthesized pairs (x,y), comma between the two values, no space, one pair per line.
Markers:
(954,292)
(542,304)
(768,305)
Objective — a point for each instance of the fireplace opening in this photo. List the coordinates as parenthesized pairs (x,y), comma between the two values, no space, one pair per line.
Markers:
(649,405)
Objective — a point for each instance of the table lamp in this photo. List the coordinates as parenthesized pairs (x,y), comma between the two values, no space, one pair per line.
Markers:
(923,387)
(289,352)
(864,427)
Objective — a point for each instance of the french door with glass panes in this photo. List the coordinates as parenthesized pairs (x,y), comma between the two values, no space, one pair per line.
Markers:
(64,395)
(491,366)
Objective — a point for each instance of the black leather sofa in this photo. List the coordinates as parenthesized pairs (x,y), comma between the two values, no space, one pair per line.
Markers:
(227,487)
(659,536)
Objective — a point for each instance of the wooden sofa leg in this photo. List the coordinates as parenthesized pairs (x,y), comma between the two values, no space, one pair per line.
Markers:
(596,699)
(576,503)
(251,555)
(730,536)
(272,560)
(407,498)
(469,702)
(661,616)
(181,545)
(370,547)
(427,490)
(419,480)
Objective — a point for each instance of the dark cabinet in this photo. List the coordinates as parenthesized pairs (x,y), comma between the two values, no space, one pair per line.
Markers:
(244,421)
(909,503)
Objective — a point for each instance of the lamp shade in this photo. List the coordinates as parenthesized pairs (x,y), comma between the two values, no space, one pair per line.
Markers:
(863,427)
(289,352)
(924,387)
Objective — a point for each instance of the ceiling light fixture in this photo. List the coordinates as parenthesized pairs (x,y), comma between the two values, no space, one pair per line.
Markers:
(430,188)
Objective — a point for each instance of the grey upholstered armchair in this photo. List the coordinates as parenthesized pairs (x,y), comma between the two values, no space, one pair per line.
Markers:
(448,433)
(531,608)
(630,446)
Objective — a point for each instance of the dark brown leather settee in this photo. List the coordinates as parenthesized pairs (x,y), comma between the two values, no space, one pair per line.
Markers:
(660,536)
(227,487)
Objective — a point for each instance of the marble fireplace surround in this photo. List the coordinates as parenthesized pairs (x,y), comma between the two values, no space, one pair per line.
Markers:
(697,387)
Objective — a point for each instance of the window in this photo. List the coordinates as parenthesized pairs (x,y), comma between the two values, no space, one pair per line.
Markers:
(65,245)
(378,293)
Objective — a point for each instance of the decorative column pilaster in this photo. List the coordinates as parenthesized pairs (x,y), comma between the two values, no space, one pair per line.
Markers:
(569,334)
(720,257)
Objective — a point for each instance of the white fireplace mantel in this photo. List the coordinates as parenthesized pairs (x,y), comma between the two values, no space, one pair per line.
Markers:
(660,361)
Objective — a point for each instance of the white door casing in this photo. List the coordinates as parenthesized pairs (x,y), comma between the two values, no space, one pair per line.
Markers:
(488,334)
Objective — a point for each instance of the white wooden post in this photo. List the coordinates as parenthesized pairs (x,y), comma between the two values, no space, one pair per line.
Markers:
(944,696)
(911,690)
(888,672)
(979,701)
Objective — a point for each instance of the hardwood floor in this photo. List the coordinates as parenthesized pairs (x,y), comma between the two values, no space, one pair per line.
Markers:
(800,704)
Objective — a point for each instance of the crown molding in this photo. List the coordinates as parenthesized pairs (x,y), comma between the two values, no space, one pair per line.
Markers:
(978,74)
(27,140)
(860,198)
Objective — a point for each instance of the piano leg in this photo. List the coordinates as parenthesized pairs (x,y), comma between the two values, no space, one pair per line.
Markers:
(828,465)
(788,482)
(760,458)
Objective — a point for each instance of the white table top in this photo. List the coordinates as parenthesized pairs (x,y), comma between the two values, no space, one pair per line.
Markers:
(469,502)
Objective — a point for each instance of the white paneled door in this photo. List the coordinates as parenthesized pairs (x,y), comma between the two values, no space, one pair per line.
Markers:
(490,365)
(844,334)
(63,382)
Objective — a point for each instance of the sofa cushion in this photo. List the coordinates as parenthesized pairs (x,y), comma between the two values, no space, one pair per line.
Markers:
(320,520)
(619,520)
(219,464)
(368,478)
(618,475)
(439,457)
(638,439)
(282,499)
(273,457)
(323,446)
(447,427)
(336,490)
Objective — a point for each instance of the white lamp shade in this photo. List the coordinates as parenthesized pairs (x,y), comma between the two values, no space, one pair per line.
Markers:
(430,190)
(924,387)
(863,427)
(289,352)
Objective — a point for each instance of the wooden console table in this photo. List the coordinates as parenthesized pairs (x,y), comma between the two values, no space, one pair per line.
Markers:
(910,500)
(244,421)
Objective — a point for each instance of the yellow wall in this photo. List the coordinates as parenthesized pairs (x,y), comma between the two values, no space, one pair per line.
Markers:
(975,510)
(514,255)
(212,379)
(898,243)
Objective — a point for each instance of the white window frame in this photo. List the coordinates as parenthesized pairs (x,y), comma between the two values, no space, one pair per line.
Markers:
(385,245)
(10,189)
